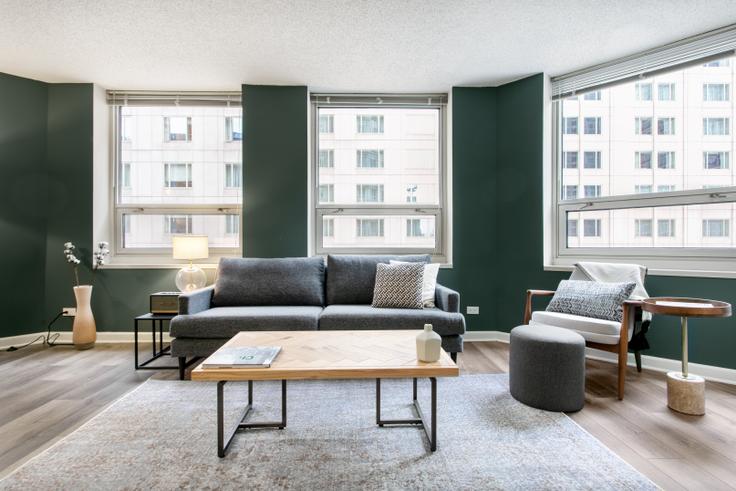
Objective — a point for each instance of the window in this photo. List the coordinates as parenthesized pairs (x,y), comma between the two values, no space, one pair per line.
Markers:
(643,91)
(326,193)
(592,228)
(592,126)
(665,188)
(570,192)
(326,123)
(570,159)
(666,227)
(643,126)
(327,158)
(715,92)
(666,92)
(643,227)
(369,227)
(173,180)
(666,160)
(369,159)
(570,126)
(572,228)
(369,123)
(369,193)
(178,175)
(715,126)
(643,160)
(642,188)
(328,227)
(592,191)
(592,96)
(666,126)
(592,160)
(715,160)
(181,224)
(178,129)
(234,128)
(389,197)
(716,227)
(233,173)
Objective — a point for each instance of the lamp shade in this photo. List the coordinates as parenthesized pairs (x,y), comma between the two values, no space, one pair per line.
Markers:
(190,247)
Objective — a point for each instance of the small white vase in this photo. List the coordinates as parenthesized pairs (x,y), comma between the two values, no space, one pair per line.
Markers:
(84,331)
(429,344)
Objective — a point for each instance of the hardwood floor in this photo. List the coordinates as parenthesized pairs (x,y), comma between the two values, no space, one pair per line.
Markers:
(46,393)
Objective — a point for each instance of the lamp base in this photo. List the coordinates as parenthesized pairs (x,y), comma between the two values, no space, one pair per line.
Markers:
(190,278)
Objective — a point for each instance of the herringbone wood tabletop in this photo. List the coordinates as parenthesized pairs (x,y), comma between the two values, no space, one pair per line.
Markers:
(334,354)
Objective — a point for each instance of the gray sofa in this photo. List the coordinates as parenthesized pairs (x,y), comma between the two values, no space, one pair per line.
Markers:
(301,294)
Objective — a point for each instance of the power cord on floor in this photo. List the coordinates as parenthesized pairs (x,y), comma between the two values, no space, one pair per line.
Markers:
(48,339)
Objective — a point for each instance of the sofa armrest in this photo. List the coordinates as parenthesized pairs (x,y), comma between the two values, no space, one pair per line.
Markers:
(446,299)
(196,300)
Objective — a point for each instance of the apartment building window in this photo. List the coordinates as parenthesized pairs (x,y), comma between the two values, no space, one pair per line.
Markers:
(643,160)
(571,160)
(178,128)
(666,227)
(326,123)
(592,160)
(178,174)
(665,194)
(666,92)
(369,123)
(327,158)
(328,227)
(592,126)
(666,160)
(643,126)
(234,128)
(592,96)
(375,205)
(233,174)
(715,92)
(570,126)
(716,160)
(716,227)
(666,126)
(715,126)
(369,159)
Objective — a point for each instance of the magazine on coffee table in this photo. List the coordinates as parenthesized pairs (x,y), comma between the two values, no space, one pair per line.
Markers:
(242,357)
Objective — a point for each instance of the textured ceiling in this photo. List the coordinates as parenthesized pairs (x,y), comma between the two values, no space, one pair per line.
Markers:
(391,45)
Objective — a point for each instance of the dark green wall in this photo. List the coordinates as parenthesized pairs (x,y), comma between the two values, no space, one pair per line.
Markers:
(22,203)
(275,171)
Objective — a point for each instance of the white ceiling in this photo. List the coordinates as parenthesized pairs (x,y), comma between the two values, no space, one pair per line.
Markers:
(379,45)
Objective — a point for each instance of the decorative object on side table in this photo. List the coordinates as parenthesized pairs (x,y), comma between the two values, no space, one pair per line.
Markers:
(685,391)
(84,330)
(164,303)
(429,345)
(190,248)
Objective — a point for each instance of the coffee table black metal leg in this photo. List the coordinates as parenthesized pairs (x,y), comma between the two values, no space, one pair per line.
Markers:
(430,428)
(223,439)
(135,342)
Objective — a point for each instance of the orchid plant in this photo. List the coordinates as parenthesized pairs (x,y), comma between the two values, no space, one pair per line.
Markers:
(99,257)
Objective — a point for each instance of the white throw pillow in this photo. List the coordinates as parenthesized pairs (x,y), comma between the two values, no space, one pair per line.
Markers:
(429,284)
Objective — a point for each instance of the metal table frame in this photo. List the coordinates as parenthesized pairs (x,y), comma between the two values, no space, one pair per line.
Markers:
(158,348)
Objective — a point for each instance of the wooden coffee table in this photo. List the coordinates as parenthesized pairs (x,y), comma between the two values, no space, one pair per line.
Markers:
(331,355)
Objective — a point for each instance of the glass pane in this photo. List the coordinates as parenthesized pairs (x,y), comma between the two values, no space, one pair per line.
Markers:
(392,148)
(671,132)
(693,226)
(149,231)
(394,231)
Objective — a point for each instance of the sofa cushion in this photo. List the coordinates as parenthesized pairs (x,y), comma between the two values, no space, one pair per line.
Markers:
(592,329)
(591,299)
(226,322)
(351,279)
(365,317)
(398,286)
(277,281)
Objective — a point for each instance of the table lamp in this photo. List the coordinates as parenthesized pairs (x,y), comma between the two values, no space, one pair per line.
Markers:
(190,247)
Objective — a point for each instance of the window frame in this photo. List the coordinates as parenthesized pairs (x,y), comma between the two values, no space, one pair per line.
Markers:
(441,249)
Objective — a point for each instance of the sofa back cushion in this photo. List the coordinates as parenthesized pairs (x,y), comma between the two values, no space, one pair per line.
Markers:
(352,279)
(277,281)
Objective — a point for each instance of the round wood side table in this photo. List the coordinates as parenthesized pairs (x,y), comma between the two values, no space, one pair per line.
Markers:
(685,391)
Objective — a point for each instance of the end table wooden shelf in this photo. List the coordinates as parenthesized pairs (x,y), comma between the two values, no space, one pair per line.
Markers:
(685,391)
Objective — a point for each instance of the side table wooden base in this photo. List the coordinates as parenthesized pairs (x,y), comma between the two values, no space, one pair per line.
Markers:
(686,395)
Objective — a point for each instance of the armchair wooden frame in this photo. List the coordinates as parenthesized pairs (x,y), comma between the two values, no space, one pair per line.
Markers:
(632,310)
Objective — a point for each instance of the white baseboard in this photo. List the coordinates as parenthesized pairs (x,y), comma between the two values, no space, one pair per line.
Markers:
(709,372)
(66,337)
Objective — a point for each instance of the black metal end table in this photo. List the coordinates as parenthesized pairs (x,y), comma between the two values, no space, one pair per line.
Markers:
(158,348)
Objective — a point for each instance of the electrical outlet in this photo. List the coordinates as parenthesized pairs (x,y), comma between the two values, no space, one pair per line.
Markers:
(472,310)
(70,311)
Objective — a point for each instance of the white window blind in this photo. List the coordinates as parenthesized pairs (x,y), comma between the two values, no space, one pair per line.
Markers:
(167,98)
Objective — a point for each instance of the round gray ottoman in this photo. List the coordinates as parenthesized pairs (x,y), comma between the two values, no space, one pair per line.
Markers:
(547,367)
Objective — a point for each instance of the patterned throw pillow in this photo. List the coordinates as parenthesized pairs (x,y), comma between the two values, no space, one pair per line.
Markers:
(591,299)
(399,286)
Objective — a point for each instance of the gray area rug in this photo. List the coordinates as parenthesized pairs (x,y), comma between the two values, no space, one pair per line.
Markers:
(162,436)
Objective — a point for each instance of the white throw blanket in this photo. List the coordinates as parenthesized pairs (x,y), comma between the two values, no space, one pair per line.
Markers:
(614,273)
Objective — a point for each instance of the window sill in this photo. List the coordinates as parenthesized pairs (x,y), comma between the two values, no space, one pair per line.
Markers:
(691,273)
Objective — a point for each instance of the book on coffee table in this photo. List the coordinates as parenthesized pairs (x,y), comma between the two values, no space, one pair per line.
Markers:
(242,357)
